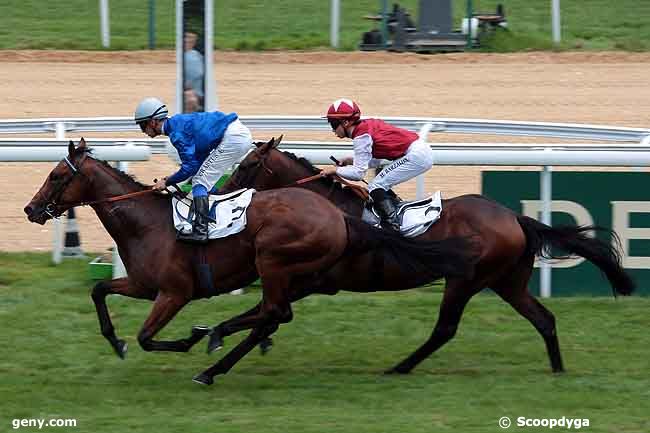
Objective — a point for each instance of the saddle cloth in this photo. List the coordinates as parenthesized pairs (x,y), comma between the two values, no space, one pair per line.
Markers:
(228,213)
(415,217)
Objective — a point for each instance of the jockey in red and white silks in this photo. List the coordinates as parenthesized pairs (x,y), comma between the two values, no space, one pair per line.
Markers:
(372,141)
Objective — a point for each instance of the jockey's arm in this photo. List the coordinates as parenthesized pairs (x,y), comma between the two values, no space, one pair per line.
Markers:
(189,165)
(362,155)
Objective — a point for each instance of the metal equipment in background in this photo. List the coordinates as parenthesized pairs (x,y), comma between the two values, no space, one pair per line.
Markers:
(434,31)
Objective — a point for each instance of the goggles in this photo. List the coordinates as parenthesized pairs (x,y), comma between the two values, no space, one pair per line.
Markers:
(334,123)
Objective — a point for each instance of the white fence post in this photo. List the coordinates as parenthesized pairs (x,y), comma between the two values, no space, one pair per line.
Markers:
(104,23)
(423,133)
(119,270)
(57,225)
(555,17)
(335,18)
(546,195)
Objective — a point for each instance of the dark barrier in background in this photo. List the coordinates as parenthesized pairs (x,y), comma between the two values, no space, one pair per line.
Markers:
(615,200)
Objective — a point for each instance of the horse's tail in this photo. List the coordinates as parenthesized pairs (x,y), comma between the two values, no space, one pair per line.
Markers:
(452,257)
(574,240)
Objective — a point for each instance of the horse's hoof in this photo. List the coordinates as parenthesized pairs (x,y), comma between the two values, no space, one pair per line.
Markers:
(200,331)
(266,345)
(215,343)
(121,348)
(203,379)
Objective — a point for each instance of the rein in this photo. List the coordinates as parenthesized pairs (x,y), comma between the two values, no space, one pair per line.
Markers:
(115,198)
(359,191)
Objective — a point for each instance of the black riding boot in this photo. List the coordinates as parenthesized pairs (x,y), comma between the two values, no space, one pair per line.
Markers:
(386,209)
(199,232)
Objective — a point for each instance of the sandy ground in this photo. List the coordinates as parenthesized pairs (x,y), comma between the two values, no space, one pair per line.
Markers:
(597,88)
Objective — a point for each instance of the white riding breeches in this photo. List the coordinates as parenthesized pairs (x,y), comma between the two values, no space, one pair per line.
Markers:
(236,142)
(417,160)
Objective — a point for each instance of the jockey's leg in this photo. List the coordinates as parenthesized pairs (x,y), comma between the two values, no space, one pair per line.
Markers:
(235,143)
(417,160)
(199,233)
(385,208)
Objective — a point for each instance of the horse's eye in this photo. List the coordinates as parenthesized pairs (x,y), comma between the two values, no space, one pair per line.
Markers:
(54,177)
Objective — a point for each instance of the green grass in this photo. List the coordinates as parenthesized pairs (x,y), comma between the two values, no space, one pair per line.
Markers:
(304,24)
(324,372)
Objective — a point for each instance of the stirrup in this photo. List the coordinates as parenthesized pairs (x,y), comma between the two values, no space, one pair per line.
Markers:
(192,237)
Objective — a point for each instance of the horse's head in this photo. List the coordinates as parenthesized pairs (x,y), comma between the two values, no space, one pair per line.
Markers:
(263,168)
(65,187)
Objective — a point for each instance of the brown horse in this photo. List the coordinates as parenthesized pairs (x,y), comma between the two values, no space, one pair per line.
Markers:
(292,236)
(507,244)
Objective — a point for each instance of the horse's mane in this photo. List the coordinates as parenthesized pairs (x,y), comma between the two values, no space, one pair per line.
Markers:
(308,165)
(124,176)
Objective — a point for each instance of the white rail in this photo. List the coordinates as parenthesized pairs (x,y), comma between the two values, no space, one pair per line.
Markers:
(161,146)
(56,153)
(314,123)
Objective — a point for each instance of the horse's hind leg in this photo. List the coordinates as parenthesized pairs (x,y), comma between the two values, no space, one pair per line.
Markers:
(119,286)
(225,328)
(457,294)
(230,326)
(222,366)
(514,290)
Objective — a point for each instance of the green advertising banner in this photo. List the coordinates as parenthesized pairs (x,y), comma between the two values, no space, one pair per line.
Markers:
(614,200)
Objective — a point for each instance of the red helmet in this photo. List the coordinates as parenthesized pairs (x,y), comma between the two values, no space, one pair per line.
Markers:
(342,109)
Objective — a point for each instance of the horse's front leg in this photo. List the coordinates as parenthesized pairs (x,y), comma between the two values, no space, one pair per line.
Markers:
(118,286)
(164,309)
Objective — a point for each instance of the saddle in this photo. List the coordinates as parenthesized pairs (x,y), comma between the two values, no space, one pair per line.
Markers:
(415,217)
(227,213)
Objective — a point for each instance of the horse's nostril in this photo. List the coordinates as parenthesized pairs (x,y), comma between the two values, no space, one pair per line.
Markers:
(28,210)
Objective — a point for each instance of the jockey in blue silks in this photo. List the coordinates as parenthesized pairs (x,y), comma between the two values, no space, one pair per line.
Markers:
(208,144)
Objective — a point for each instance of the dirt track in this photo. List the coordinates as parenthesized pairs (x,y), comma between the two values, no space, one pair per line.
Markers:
(598,88)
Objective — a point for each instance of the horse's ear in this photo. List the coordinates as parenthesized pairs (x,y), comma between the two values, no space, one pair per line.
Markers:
(259,143)
(276,141)
(70,148)
(265,147)
(82,143)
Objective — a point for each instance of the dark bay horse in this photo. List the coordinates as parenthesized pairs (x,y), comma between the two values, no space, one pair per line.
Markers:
(291,236)
(507,244)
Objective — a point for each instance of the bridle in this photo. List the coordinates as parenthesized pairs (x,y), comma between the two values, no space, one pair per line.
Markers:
(51,208)
(52,205)
(261,160)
